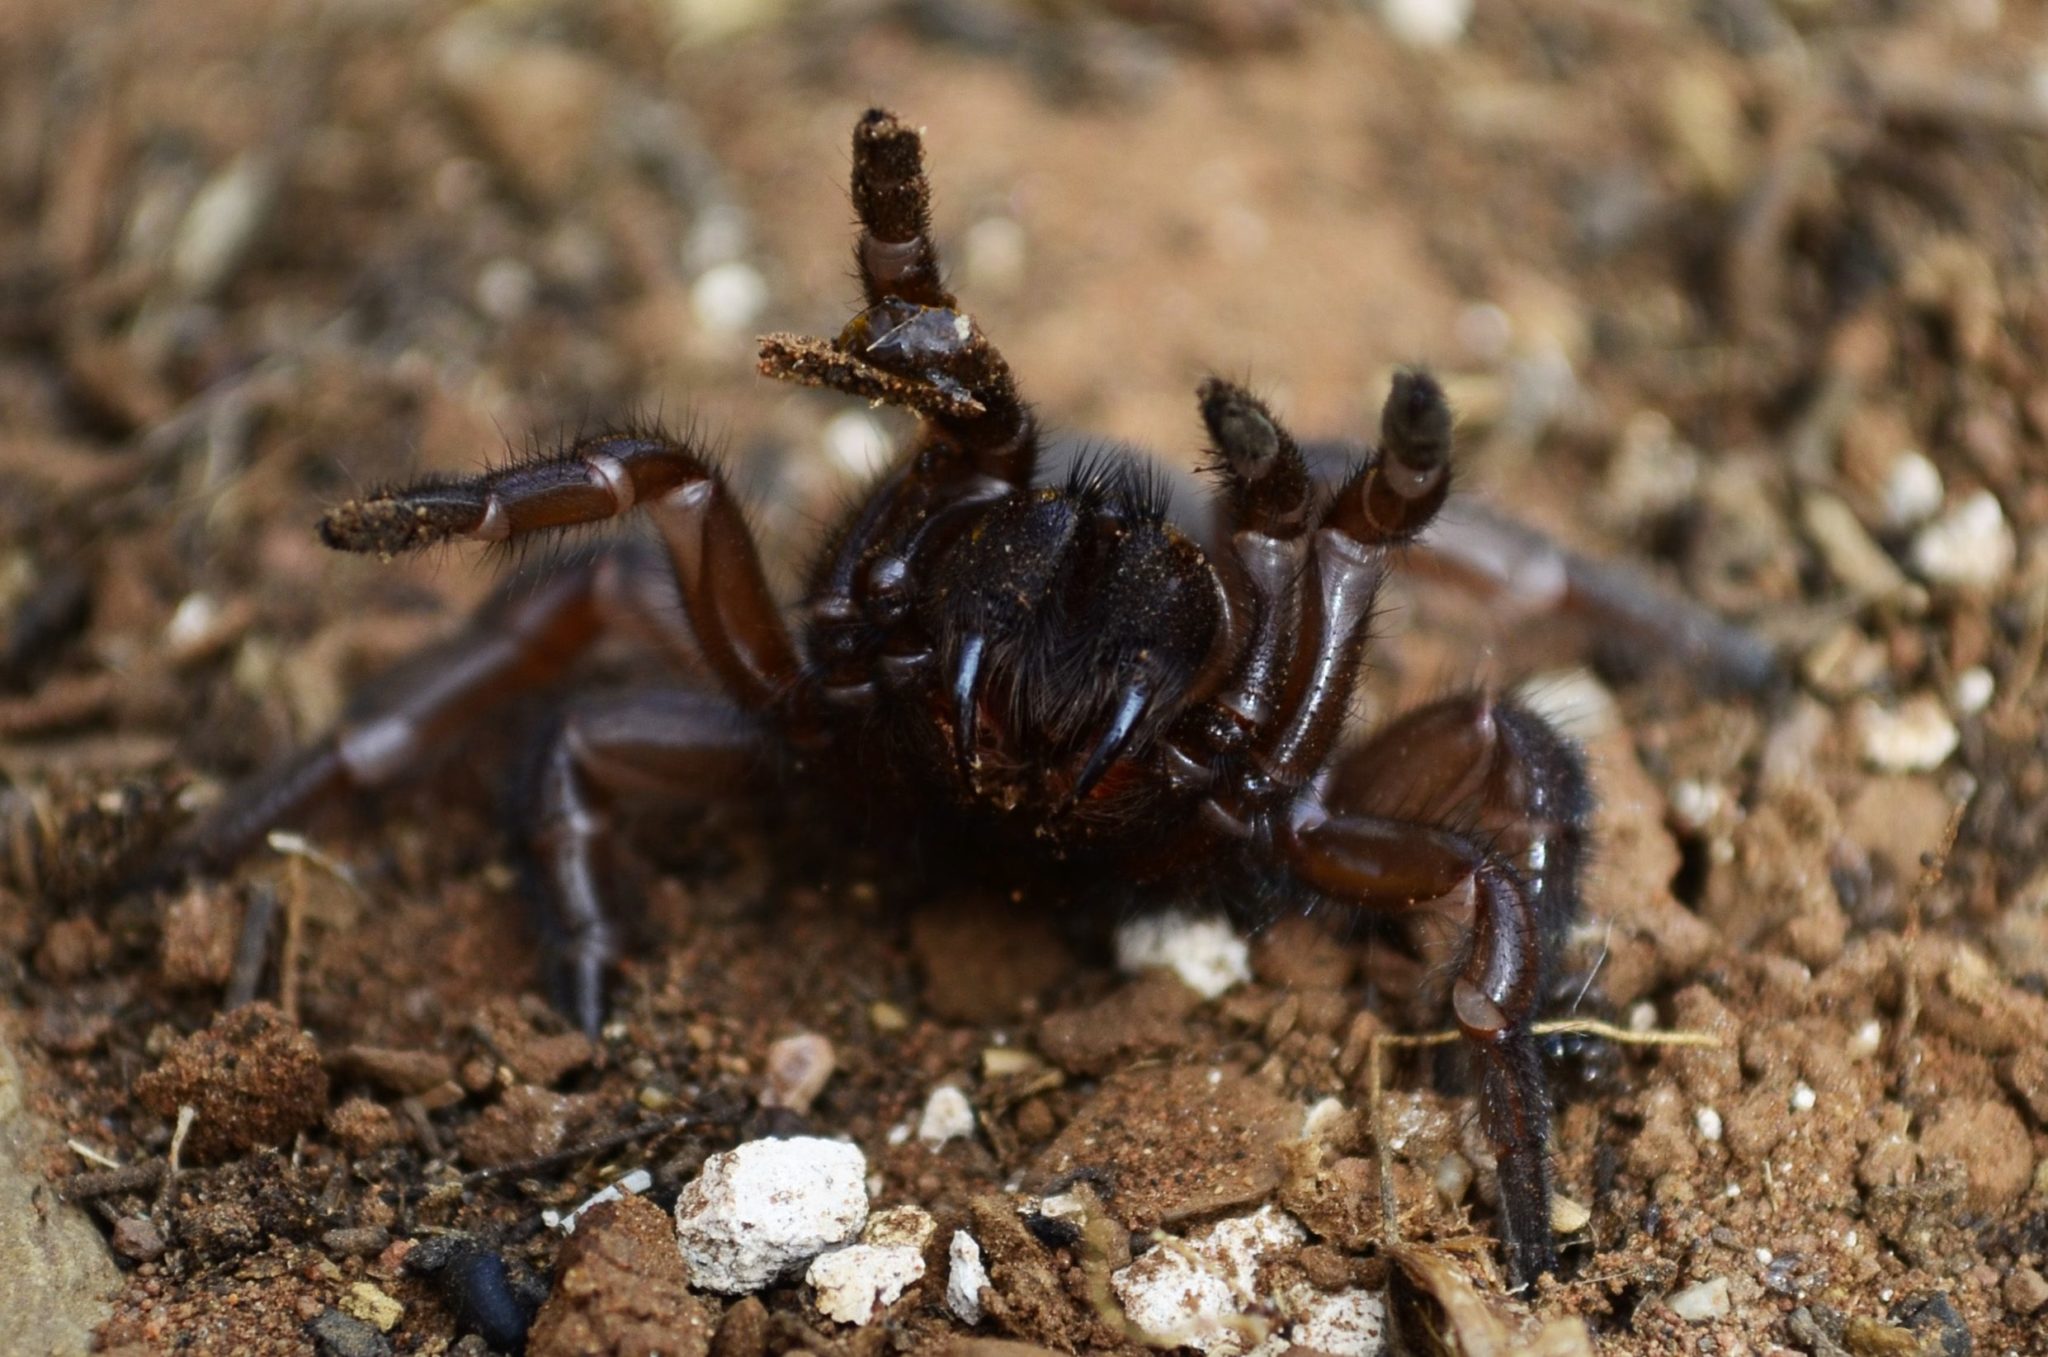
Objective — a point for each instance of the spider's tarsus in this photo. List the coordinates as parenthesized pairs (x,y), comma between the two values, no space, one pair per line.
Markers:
(386,524)
(1415,424)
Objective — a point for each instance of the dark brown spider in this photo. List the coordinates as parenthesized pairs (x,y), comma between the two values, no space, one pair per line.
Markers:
(1055,665)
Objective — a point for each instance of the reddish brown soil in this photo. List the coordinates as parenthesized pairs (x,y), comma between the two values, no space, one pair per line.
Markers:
(1697,275)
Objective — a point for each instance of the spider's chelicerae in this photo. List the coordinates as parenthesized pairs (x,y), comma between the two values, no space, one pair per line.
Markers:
(1055,666)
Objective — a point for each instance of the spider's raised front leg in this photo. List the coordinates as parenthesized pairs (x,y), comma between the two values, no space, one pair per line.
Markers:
(909,346)
(675,744)
(1377,840)
(737,624)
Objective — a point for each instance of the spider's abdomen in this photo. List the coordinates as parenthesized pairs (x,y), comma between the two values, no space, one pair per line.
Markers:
(1070,623)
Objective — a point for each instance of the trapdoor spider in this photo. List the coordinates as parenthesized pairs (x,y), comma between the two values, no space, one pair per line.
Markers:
(1052,665)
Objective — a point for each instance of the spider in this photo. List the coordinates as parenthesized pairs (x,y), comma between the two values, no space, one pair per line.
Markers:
(1052,666)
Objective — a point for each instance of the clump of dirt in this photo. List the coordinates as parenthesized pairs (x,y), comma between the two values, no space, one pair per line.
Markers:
(620,1287)
(252,1077)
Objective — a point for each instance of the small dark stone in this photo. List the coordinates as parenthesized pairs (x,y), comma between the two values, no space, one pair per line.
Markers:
(138,1238)
(478,1289)
(1930,1314)
(340,1335)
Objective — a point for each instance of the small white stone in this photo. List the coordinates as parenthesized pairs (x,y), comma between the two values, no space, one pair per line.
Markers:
(1701,1301)
(1694,804)
(947,1116)
(1642,1017)
(965,1277)
(1324,1117)
(1426,23)
(1197,1292)
(1453,1177)
(1912,491)
(191,621)
(759,1211)
(1865,1040)
(1913,737)
(225,218)
(1708,1122)
(1204,953)
(1802,1098)
(1973,690)
(1969,547)
(1177,1301)
(727,298)
(854,1284)
(504,289)
(1344,1323)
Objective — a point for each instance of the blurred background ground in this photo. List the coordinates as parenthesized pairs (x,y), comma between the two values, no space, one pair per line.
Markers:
(1750,294)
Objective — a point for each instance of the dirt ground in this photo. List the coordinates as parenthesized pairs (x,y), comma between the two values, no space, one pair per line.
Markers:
(1750,296)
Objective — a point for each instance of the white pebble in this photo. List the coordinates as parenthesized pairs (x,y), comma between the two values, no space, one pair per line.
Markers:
(1802,1098)
(947,1116)
(1695,804)
(965,1277)
(1913,491)
(1914,737)
(1454,1176)
(191,621)
(856,1283)
(1701,1301)
(1642,1017)
(1344,1324)
(1323,1118)
(1709,1123)
(1863,1043)
(1204,953)
(1969,547)
(224,220)
(727,298)
(1196,1293)
(1973,690)
(759,1211)
(505,289)
(1426,23)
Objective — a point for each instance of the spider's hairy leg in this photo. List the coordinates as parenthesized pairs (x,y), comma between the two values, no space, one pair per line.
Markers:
(1529,573)
(725,595)
(1394,866)
(1484,762)
(1383,505)
(521,639)
(1264,496)
(674,744)
(911,346)
(894,200)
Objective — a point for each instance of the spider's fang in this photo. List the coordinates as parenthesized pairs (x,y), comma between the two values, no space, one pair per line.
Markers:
(967,680)
(1135,700)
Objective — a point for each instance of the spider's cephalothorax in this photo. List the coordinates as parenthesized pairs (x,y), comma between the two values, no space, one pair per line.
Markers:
(1055,662)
